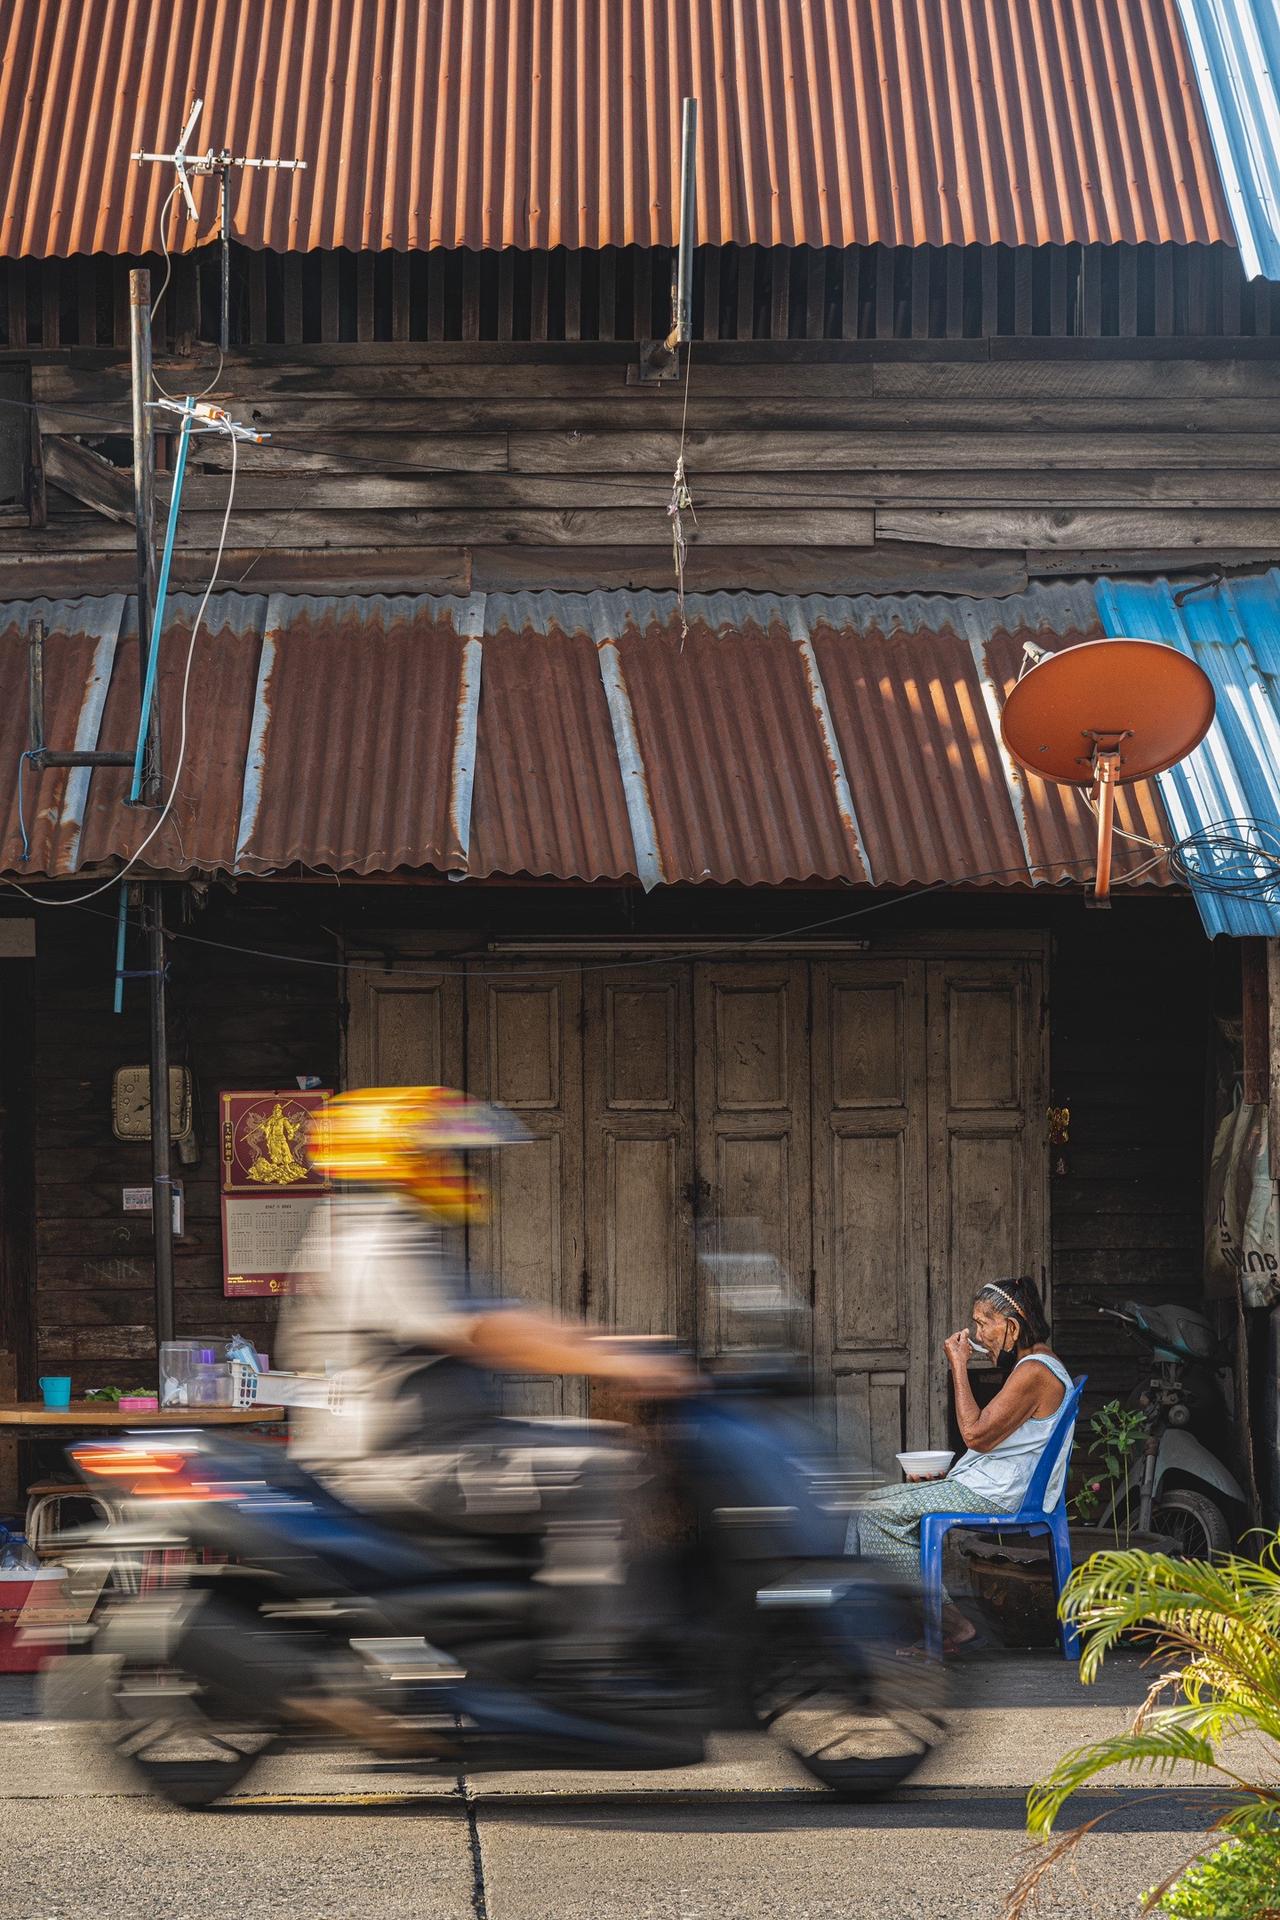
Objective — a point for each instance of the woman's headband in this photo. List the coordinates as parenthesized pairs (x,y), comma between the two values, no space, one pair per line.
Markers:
(1000,1294)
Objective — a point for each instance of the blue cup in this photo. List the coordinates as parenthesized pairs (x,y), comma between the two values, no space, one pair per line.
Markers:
(56,1388)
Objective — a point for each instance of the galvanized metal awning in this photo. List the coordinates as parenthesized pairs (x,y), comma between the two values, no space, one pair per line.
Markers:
(562,737)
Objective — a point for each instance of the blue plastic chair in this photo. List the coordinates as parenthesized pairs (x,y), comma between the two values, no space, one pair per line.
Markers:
(1032,1517)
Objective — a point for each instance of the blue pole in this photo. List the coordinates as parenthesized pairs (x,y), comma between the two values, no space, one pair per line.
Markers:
(122,923)
(162,588)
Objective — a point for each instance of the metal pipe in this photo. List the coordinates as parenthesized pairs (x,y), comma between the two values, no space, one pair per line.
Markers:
(144,498)
(35,661)
(50,757)
(161,1152)
(664,351)
(224,322)
(162,588)
(683,316)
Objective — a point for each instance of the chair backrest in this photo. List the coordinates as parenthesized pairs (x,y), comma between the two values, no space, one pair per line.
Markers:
(1056,1448)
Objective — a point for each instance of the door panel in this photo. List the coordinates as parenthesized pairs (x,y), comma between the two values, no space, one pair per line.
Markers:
(524,1049)
(870,1251)
(988,1162)
(404,1031)
(639,1150)
(751,1080)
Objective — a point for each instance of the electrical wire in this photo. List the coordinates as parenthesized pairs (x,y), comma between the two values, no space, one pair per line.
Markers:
(163,815)
(698,952)
(1234,859)
(156,382)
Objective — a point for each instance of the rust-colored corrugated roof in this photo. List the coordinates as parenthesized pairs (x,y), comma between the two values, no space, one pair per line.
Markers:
(567,737)
(545,123)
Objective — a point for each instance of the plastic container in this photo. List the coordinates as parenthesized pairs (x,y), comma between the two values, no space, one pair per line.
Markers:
(30,1597)
(210,1381)
(138,1403)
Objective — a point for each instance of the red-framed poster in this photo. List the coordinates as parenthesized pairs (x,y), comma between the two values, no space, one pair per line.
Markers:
(275,1201)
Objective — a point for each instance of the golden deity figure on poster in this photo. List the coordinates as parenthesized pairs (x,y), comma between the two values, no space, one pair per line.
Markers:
(275,1164)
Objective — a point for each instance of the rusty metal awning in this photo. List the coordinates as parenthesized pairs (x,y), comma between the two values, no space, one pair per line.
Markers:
(569,737)
(500,123)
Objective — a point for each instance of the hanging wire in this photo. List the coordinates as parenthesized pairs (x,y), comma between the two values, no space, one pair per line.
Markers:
(1236,859)
(681,502)
(165,811)
(156,382)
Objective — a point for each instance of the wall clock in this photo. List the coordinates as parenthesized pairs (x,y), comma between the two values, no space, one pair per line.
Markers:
(131,1103)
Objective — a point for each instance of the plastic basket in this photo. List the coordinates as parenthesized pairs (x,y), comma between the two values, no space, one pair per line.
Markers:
(250,1389)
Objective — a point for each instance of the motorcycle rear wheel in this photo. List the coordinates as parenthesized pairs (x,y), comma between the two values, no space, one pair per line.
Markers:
(861,1730)
(157,1722)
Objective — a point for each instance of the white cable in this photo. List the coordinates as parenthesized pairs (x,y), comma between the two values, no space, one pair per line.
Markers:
(155,304)
(163,815)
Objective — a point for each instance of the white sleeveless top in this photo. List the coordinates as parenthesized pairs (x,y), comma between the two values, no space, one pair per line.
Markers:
(1004,1474)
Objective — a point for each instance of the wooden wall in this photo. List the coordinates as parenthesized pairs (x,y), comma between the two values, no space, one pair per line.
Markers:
(624,293)
(1129,1010)
(963,465)
(237,1023)
(1130,1016)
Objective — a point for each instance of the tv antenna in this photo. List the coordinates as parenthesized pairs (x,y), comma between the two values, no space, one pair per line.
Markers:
(1103,714)
(187,166)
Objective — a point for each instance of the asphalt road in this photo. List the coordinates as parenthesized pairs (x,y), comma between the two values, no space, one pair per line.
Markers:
(317,1838)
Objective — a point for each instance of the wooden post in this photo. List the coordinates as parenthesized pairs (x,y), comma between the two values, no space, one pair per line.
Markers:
(1273,1051)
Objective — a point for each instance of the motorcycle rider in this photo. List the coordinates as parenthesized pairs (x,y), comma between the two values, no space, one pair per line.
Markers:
(418,1438)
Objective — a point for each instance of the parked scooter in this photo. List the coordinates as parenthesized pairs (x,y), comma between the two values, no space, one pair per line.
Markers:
(768,1625)
(1178,1487)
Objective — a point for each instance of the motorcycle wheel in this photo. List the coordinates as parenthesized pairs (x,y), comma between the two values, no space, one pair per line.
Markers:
(156,1722)
(861,1729)
(1197,1524)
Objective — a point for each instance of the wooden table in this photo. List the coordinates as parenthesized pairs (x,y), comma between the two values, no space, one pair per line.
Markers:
(83,1414)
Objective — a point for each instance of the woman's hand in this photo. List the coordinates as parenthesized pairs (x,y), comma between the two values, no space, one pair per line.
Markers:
(958,1349)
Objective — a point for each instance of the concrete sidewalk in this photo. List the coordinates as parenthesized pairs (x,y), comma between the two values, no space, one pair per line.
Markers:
(1009,1719)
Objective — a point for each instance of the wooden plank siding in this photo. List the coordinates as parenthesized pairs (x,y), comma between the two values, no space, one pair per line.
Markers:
(820,466)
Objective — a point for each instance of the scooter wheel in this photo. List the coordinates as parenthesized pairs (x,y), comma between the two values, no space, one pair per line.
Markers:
(1194,1521)
(154,1722)
(861,1728)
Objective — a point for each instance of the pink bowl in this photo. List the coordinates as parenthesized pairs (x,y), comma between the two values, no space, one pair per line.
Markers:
(139,1403)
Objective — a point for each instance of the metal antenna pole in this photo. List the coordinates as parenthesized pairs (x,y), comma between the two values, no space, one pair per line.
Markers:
(161,1150)
(662,356)
(224,223)
(144,496)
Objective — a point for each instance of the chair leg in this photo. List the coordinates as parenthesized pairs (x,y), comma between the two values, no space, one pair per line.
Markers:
(931,1544)
(1060,1549)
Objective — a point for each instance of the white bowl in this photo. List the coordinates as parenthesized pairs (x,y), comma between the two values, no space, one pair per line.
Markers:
(924,1466)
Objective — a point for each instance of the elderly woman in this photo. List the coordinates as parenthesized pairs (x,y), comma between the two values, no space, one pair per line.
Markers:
(1004,1439)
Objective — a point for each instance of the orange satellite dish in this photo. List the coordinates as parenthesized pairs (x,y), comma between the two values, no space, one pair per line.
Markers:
(1103,714)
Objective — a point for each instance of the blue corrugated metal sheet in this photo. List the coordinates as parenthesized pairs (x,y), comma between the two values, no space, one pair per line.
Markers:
(1233,631)
(1235,52)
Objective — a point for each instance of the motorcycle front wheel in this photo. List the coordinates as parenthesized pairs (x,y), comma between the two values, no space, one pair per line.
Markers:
(157,1723)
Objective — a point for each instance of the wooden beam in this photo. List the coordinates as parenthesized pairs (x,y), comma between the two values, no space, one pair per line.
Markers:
(87,477)
(593,451)
(1117,528)
(1273,1053)
(1255,1022)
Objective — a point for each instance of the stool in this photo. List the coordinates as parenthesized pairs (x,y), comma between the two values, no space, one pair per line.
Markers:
(44,1512)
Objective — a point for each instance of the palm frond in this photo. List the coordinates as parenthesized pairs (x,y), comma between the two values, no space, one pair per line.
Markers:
(1160,1748)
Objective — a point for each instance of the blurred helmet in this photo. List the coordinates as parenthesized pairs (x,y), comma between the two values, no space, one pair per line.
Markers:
(412,1139)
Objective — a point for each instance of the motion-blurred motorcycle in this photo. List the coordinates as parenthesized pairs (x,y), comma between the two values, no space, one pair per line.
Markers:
(763,1623)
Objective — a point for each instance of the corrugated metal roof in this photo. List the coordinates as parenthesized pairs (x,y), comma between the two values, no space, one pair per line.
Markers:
(1233,631)
(1235,54)
(544,123)
(565,736)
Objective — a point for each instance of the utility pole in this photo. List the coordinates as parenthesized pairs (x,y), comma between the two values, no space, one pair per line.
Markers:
(144,476)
